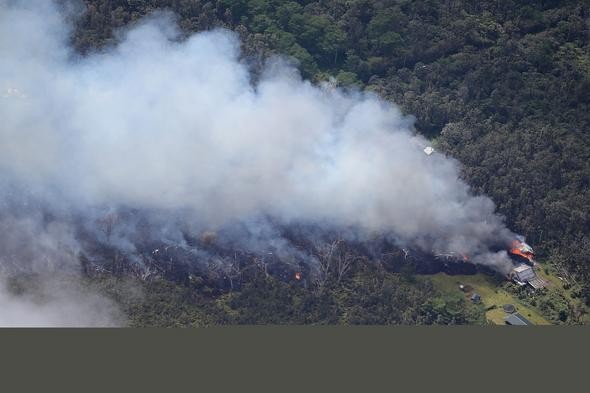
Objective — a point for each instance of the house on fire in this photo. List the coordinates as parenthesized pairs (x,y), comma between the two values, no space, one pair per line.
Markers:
(522,252)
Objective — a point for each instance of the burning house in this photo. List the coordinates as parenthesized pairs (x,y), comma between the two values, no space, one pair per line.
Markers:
(523,273)
(522,252)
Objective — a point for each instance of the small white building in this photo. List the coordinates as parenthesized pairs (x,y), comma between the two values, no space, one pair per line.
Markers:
(428,150)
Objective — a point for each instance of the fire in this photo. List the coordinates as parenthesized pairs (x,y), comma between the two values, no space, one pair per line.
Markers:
(298,276)
(523,250)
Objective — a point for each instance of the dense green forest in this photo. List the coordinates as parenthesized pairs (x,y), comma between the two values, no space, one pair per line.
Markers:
(504,87)
(369,296)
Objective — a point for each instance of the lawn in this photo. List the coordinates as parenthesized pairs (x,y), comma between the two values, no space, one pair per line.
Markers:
(491,294)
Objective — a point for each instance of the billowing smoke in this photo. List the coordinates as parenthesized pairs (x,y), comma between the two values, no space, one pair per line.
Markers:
(178,127)
(39,277)
(56,303)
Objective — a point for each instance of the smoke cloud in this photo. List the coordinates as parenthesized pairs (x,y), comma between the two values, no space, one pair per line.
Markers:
(178,126)
(56,302)
(39,277)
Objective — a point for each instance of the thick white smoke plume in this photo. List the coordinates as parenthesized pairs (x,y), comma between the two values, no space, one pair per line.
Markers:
(178,125)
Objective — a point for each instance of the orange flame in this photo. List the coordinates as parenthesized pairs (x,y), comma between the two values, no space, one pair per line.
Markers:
(519,249)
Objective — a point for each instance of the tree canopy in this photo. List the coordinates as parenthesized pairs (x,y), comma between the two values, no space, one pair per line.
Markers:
(502,86)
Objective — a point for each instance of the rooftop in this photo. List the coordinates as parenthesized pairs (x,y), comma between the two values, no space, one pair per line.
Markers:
(522,268)
(517,320)
(537,283)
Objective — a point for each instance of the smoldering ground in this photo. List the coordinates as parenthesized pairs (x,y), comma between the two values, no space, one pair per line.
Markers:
(176,128)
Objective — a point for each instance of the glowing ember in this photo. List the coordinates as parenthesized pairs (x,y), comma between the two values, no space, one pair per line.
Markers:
(298,276)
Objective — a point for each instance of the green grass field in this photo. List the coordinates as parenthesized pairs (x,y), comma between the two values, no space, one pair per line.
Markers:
(491,294)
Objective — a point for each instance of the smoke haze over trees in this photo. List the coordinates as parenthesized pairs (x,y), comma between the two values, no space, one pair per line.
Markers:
(201,135)
(502,85)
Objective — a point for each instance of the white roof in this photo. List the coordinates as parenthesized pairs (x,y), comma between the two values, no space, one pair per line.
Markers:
(522,268)
(428,150)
